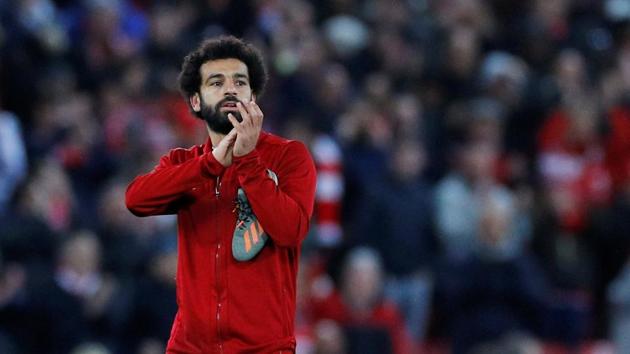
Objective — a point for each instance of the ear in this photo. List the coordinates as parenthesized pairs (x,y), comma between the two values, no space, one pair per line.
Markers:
(195,102)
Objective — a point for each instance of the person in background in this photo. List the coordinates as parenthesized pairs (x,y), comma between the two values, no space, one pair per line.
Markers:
(13,162)
(499,290)
(371,323)
(396,219)
(79,302)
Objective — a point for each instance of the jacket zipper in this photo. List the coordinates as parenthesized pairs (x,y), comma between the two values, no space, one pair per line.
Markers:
(217,194)
(217,186)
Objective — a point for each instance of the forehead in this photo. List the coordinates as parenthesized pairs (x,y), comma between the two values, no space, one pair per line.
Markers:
(227,67)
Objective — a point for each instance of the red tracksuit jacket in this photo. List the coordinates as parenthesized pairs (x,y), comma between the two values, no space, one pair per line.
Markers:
(226,306)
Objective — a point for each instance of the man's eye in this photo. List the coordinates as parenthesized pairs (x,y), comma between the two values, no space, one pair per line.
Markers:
(241,83)
(216,83)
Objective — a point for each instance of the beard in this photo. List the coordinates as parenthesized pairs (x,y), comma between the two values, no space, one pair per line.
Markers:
(218,121)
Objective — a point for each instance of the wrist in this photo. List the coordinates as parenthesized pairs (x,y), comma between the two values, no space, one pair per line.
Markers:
(225,161)
(211,166)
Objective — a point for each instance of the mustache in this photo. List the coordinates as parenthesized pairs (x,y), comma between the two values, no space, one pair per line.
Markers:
(226,100)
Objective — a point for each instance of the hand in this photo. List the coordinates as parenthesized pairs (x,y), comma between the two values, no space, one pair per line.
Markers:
(223,151)
(248,129)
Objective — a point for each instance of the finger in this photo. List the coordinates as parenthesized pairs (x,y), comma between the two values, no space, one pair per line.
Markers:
(250,113)
(230,137)
(246,117)
(257,112)
(247,107)
(234,121)
(256,118)
(226,144)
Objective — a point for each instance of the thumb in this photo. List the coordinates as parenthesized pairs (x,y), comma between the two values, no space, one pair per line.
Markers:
(229,138)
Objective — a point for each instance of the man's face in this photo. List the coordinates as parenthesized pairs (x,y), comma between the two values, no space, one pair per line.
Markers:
(223,83)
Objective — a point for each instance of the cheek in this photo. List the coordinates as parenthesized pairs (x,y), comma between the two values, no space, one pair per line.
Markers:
(210,99)
(246,93)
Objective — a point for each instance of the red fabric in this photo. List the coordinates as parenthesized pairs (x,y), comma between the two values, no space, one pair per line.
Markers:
(385,315)
(574,171)
(553,132)
(228,306)
(185,124)
(618,147)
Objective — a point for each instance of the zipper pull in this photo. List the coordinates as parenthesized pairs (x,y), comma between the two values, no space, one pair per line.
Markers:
(217,186)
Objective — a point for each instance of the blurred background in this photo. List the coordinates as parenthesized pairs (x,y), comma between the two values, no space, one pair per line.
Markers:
(473,170)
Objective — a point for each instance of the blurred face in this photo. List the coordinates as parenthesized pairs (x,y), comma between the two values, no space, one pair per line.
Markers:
(362,285)
(583,123)
(408,161)
(329,338)
(223,83)
(463,51)
(479,160)
(570,72)
(82,254)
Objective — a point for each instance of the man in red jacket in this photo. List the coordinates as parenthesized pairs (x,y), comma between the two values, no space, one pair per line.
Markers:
(237,266)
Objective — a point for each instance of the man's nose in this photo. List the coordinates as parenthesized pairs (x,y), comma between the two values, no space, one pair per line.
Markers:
(230,89)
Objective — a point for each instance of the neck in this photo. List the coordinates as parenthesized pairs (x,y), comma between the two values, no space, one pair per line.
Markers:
(215,137)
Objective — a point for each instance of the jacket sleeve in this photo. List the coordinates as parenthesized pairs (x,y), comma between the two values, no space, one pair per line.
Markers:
(284,211)
(163,190)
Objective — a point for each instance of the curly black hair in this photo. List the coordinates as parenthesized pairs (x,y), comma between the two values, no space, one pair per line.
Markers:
(223,47)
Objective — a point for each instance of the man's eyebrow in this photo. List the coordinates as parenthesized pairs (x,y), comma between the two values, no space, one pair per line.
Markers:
(215,76)
(221,76)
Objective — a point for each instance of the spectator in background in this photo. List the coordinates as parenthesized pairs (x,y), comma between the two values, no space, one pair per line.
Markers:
(575,183)
(607,230)
(615,96)
(365,134)
(498,289)
(13,309)
(13,161)
(371,323)
(505,79)
(49,197)
(34,37)
(395,217)
(608,238)
(619,308)
(79,302)
(42,212)
(126,240)
(329,338)
(461,195)
(110,33)
(155,303)
(134,124)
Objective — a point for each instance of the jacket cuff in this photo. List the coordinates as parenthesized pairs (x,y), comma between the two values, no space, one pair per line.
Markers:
(210,167)
(246,163)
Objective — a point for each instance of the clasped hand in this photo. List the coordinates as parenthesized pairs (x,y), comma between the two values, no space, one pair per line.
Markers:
(242,139)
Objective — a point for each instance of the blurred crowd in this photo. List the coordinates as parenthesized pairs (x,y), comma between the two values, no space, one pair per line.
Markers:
(473,170)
